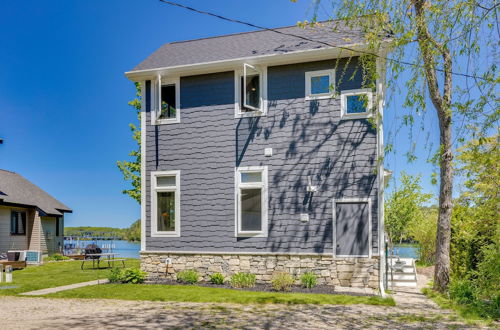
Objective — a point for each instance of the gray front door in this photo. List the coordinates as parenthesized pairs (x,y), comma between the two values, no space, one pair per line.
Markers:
(352,229)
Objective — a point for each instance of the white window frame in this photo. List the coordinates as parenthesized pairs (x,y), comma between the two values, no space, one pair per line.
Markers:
(264,203)
(310,74)
(352,92)
(238,74)
(154,203)
(156,100)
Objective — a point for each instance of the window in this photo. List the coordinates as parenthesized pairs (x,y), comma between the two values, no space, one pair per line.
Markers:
(165,95)
(59,223)
(165,203)
(251,201)
(320,84)
(18,223)
(250,91)
(356,103)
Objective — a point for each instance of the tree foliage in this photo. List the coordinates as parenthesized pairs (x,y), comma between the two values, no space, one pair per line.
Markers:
(131,170)
(423,231)
(403,207)
(446,50)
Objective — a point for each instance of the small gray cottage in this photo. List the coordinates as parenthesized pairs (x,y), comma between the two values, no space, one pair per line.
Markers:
(30,219)
(260,153)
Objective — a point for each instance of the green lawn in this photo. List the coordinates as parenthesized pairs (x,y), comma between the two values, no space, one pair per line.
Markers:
(54,274)
(68,272)
(193,293)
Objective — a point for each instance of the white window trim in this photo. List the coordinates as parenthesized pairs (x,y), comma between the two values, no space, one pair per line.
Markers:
(343,103)
(154,209)
(334,237)
(156,100)
(310,74)
(265,200)
(263,93)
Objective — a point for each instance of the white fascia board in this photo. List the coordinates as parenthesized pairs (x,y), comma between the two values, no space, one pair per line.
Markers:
(271,59)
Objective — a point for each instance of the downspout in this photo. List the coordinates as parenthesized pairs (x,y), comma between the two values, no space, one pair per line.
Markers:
(380,89)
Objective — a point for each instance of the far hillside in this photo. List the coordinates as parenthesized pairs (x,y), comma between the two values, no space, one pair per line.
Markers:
(132,234)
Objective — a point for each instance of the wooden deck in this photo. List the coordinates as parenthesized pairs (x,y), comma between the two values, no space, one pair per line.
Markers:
(14,264)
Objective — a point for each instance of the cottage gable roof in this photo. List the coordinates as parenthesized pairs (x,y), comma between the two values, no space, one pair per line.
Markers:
(15,189)
(252,44)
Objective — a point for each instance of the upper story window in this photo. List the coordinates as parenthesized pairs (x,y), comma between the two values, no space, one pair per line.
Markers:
(165,204)
(17,223)
(356,103)
(320,84)
(166,97)
(250,88)
(251,201)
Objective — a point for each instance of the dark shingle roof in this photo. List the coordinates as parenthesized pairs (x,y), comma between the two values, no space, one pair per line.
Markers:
(251,44)
(14,189)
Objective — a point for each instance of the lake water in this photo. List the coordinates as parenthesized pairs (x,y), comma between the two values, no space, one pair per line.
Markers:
(406,251)
(125,249)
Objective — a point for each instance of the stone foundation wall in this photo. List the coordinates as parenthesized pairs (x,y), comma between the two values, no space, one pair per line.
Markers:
(353,272)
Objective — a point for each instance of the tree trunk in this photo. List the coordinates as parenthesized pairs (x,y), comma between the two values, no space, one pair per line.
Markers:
(442,103)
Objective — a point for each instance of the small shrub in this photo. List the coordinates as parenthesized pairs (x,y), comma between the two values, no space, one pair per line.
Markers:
(217,279)
(461,291)
(309,280)
(188,276)
(115,275)
(57,257)
(243,280)
(128,275)
(282,281)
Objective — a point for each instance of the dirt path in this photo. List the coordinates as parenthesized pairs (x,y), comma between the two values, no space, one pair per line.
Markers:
(36,313)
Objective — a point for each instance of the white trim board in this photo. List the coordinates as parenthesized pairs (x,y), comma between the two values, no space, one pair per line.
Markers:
(143,165)
(334,225)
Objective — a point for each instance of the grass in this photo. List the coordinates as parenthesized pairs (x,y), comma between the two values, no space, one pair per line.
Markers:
(193,293)
(54,274)
(468,313)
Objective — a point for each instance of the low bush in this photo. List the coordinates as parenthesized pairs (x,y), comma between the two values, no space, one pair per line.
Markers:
(188,276)
(57,257)
(282,281)
(243,280)
(127,275)
(309,280)
(217,279)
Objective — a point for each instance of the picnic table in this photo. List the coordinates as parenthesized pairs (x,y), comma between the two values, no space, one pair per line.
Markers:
(107,257)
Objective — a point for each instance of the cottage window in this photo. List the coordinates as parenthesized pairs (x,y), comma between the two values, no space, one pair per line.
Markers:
(166,101)
(165,201)
(251,195)
(18,223)
(356,103)
(250,91)
(320,84)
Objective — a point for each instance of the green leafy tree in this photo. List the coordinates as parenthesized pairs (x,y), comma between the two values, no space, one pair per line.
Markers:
(403,207)
(423,231)
(131,170)
(447,51)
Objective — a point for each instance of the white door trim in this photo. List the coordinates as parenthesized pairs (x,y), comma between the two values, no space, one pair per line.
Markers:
(334,227)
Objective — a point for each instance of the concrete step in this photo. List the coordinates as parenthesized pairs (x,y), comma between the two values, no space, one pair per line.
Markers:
(403,276)
(406,269)
(412,284)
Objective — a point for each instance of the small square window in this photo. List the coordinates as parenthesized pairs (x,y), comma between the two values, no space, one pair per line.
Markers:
(356,103)
(165,95)
(320,84)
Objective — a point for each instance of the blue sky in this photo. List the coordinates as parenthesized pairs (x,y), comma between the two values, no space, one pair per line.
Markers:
(63,94)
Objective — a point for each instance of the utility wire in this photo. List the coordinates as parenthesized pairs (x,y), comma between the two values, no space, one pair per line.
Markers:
(305,38)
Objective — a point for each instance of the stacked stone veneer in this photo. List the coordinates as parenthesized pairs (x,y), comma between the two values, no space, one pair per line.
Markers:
(354,272)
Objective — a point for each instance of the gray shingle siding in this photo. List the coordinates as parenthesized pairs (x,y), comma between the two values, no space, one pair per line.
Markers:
(308,139)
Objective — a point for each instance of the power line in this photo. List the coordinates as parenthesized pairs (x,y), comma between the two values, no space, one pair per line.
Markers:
(305,38)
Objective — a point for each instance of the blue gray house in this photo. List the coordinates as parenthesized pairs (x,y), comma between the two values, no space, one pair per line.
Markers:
(261,153)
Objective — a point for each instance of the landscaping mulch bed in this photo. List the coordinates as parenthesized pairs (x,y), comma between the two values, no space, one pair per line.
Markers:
(319,289)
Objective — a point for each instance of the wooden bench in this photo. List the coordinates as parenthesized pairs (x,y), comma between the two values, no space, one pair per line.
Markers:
(14,264)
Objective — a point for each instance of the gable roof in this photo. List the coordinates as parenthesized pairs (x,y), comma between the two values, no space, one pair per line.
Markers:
(14,189)
(252,44)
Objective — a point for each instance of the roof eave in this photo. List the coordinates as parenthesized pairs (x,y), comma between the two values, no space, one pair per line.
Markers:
(270,59)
